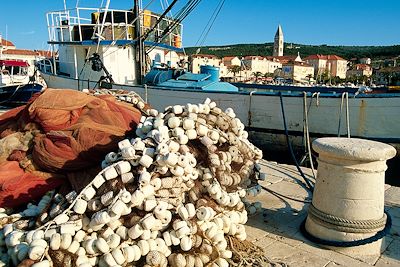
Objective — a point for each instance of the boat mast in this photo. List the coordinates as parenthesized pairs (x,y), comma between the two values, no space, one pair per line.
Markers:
(139,44)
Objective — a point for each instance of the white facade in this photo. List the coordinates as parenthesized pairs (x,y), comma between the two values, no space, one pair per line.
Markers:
(334,65)
(261,64)
(200,60)
(231,61)
(298,71)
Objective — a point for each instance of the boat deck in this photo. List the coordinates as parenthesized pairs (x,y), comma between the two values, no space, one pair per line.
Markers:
(276,227)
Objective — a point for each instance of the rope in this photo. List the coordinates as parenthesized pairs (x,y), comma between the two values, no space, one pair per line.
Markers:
(290,146)
(287,197)
(347,115)
(249,111)
(307,133)
(344,95)
(346,225)
(354,243)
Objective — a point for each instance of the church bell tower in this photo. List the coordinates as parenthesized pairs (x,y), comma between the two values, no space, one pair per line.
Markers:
(278,42)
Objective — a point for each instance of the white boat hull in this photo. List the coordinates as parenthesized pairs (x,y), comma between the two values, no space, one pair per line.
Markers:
(370,116)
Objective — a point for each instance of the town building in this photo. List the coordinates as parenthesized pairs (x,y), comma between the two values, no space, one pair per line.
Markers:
(389,76)
(360,70)
(333,65)
(261,64)
(365,60)
(202,59)
(278,42)
(296,70)
(5,44)
(231,61)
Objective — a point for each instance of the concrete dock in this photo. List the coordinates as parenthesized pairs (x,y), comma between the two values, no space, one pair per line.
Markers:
(277,227)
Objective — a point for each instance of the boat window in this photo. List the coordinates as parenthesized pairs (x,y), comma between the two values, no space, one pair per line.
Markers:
(157,58)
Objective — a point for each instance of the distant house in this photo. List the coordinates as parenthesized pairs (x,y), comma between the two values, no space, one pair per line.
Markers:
(261,64)
(365,60)
(334,65)
(388,76)
(360,70)
(231,61)
(5,44)
(297,71)
(282,59)
(201,59)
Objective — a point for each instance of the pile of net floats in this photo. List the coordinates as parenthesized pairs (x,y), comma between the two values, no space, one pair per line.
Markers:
(169,197)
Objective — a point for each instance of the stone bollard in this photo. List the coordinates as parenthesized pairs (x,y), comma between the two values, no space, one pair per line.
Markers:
(348,200)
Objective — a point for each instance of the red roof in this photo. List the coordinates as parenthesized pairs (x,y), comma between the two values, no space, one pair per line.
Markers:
(362,67)
(281,59)
(253,57)
(325,57)
(227,58)
(297,63)
(5,42)
(335,57)
(20,52)
(14,63)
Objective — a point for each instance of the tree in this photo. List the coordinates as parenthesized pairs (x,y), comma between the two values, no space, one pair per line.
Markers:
(257,74)
(234,68)
(268,75)
(309,76)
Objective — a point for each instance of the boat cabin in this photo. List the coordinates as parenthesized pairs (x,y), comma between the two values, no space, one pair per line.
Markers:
(78,33)
(13,72)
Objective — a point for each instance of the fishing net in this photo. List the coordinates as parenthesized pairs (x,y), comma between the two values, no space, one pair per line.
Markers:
(173,195)
(58,131)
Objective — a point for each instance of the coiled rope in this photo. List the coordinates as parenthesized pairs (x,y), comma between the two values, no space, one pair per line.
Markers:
(346,225)
(380,234)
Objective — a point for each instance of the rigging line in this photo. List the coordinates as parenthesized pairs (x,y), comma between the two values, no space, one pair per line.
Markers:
(209,21)
(159,19)
(170,14)
(182,14)
(212,23)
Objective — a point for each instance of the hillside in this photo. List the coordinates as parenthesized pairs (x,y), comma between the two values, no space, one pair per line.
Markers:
(347,52)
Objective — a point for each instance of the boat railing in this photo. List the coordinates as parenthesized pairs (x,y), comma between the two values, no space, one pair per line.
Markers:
(82,24)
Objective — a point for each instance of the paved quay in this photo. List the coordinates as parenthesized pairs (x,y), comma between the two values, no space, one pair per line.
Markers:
(277,227)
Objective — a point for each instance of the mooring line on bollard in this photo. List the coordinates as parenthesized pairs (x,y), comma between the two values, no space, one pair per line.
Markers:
(354,243)
(310,187)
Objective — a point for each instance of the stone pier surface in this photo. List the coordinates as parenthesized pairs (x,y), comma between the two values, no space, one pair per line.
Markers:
(277,227)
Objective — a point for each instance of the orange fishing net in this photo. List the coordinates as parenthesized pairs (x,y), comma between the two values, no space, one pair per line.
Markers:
(59,131)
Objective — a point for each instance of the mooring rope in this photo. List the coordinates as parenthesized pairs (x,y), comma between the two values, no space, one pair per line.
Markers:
(346,225)
(354,243)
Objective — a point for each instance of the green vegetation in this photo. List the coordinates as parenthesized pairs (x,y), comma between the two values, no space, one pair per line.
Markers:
(347,52)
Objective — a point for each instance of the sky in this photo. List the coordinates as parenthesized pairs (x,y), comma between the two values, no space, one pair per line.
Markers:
(332,22)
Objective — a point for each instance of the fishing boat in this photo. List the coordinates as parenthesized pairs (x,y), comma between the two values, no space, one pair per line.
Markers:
(116,48)
(16,85)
